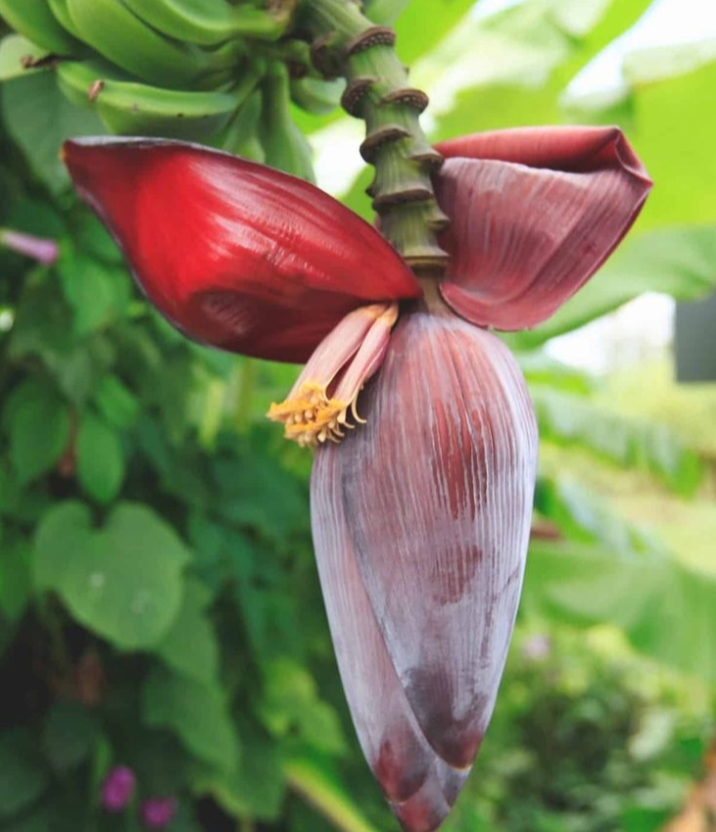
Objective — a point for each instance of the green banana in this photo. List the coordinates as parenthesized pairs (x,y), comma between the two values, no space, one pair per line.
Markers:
(316,96)
(34,20)
(121,37)
(241,135)
(284,144)
(130,108)
(62,15)
(209,22)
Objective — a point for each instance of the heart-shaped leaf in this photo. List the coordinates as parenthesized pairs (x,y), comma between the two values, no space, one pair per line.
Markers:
(123,580)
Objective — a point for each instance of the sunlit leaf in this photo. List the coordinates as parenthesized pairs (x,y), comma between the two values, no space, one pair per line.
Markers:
(15,50)
(630,443)
(680,262)
(675,140)
(668,612)
(512,70)
(319,785)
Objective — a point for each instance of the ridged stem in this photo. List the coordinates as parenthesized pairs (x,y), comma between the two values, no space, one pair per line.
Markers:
(348,44)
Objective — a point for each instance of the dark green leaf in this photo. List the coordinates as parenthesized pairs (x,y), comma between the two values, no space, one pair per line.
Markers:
(9,488)
(257,492)
(197,713)
(15,578)
(71,732)
(43,324)
(94,290)
(100,458)
(22,777)
(190,646)
(256,790)
(119,406)
(291,702)
(39,427)
(160,761)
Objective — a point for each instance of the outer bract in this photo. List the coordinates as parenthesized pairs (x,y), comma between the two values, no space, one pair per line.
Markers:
(421,521)
(235,254)
(535,212)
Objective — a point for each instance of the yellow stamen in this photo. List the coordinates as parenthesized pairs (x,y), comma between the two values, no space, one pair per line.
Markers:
(310,417)
(347,357)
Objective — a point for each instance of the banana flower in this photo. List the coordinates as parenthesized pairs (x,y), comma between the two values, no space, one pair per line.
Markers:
(421,492)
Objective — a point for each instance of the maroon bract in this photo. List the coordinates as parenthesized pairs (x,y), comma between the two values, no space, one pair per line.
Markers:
(421,521)
(535,212)
(421,515)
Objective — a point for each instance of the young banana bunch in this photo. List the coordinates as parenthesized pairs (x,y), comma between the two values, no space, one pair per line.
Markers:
(209,71)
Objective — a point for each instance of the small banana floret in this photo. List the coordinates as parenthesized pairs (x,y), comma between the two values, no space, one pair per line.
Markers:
(311,418)
(342,363)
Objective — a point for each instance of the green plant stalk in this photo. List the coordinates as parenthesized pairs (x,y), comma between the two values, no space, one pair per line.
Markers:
(312,784)
(345,43)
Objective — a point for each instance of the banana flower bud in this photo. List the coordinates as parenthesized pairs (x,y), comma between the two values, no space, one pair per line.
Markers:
(420,516)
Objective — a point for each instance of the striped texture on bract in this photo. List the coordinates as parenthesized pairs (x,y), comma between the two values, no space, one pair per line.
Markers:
(421,522)
(535,211)
(235,254)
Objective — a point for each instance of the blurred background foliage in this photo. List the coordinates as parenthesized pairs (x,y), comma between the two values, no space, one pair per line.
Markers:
(159,604)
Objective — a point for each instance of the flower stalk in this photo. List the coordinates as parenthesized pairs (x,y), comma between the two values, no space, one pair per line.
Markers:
(347,44)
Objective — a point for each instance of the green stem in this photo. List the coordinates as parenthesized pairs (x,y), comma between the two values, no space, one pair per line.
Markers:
(346,43)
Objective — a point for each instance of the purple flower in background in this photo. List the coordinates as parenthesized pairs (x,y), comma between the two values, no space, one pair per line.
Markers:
(158,812)
(118,788)
(44,251)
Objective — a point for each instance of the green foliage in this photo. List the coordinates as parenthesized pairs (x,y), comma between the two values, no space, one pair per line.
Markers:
(576,421)
(196,712)
(579,742)
(677,261)
(39,118)
(38,427)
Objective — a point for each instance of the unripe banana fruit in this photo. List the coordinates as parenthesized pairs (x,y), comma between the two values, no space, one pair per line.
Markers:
(208,22)
(134,109)
(121,37)
(34,20)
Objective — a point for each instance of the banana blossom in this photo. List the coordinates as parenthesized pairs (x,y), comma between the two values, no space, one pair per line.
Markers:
(421,515)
